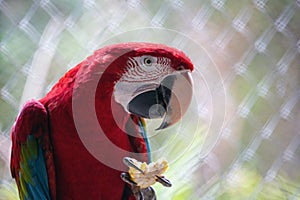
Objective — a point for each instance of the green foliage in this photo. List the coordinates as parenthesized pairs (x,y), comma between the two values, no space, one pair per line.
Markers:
(8,190)
(184,193)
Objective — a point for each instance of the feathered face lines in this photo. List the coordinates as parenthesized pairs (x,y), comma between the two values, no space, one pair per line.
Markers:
(146,68)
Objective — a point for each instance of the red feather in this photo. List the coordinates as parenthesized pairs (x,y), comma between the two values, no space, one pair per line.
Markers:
(79,175)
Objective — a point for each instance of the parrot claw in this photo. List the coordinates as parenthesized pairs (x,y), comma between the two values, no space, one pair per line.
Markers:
(141,176)
(126,178)
(129,163)
(146,194)
(162,180)
(138,192)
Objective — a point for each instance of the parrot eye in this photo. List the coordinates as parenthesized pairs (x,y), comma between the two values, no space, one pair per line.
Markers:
(148,61)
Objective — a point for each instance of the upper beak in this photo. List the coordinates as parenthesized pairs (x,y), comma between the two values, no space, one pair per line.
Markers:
(181,95)
(170,99)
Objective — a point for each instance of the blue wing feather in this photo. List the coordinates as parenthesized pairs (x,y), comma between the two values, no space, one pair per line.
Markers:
(30,144)
(33,171)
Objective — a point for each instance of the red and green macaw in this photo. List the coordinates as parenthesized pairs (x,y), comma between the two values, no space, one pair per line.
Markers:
(122,84)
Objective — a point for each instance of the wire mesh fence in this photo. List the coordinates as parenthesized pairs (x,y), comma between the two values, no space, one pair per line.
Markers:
(255,46)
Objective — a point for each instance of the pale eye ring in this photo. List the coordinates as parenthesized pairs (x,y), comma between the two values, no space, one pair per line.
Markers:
(148,61)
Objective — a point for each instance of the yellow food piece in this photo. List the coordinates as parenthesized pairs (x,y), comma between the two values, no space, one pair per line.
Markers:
(147,178)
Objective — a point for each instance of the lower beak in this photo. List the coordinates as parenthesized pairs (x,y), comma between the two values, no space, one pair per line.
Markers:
(170,100)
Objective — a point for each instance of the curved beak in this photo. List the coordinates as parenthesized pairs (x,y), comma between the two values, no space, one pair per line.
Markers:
(181,95)
(170,100)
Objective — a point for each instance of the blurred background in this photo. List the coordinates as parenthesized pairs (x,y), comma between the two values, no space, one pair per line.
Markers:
(241,136)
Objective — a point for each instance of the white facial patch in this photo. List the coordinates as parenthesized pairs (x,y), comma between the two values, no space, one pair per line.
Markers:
(142,74)
(146,68)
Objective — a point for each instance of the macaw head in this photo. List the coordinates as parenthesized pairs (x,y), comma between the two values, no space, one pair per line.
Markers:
(153,81)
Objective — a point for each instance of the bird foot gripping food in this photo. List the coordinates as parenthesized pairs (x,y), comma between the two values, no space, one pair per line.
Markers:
(145,175)
(142,175)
